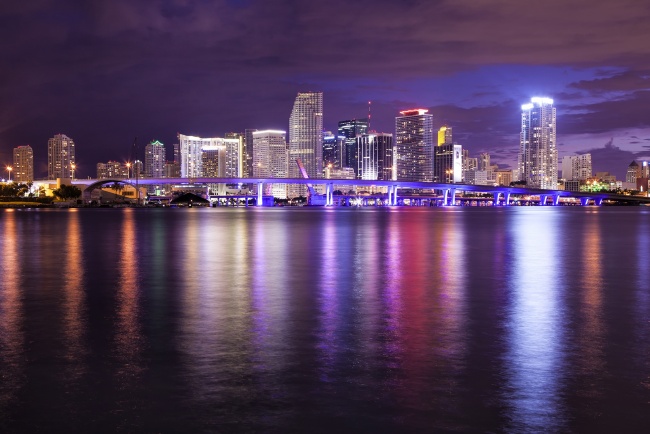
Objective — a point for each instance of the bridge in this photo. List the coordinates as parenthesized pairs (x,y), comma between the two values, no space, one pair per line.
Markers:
(502,195)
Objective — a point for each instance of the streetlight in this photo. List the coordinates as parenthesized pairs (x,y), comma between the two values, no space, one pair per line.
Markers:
(128,170)
(9,169)
(73,166)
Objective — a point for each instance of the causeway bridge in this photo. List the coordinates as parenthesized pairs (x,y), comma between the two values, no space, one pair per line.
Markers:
(444,193)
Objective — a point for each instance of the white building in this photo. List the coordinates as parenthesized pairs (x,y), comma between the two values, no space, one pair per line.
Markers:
(577,167)
(306,138)
(414,145)
(23,164)
(60,157)
(538,161)
(375,157)
(271,159)
(154,160)
(229,151)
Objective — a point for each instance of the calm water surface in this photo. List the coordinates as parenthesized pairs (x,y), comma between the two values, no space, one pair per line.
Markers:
(325,320)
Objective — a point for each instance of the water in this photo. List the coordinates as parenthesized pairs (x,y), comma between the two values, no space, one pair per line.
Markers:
(523,319)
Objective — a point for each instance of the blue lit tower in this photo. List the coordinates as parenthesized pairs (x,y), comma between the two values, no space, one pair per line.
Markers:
(538,163)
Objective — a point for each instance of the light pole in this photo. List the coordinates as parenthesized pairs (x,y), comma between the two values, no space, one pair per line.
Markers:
(128,170)
(73,166)
(9,169)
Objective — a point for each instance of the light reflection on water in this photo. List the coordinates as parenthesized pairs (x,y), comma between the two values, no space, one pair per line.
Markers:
(522,319)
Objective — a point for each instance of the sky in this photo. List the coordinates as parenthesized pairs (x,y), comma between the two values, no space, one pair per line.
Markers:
(105,72)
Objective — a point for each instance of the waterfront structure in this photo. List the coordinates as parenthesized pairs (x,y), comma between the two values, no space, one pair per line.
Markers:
(271,159)
(448,163)
(60,157)
(350,130)
(333,150)
(306,138)
(23,167)
(576,167)
(375,153)
(538,160)
(154,159)
(414,145)
(444,135)
(228,150)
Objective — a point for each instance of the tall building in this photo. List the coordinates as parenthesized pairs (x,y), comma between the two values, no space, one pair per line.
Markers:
(249,151)
(270,159)
(112,169)
(375,154)
(228,151)
(306,138)
(448,163)
(210,162)
(23,164)
(576,167)
(333,150)
(60,156)
(484,161)
(350,130)
(154,159)
(414,145)
(444,135)
(538,161)
(633,172)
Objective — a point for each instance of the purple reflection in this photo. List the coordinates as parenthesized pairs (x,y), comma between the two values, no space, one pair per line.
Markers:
(534,358)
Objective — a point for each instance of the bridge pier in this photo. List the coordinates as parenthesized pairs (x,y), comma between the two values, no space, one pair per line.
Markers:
(506,199)
(496,198)
(542,199)
(585,201)
(598,201)
(260,192)
(394,195)
(556,199)
(445,196)
(452,198)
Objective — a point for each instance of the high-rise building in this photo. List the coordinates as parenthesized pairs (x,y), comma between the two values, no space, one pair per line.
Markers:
(375,154)
(576,167)
(60,157)
(113,169)
(154,159)
(444,135)
(23,164)
(448,163)
(538,161)
(333,147)
(633,172)
(350,130)
(210,162)
(484,161)
(249,151)
(414,145)
(270,159)
(229,153)
(306,138)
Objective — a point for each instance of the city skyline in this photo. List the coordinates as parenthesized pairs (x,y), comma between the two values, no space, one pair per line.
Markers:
(111,71)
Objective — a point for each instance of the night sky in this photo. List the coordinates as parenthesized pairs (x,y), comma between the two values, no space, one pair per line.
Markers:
(103,72)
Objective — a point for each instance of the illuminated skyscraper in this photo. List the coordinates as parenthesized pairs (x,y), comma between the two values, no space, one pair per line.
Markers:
(60,156)
(333,150)
(229,153)
(448,163)
(444,135)
(306,138)
(538,163)
(576,167)
(414,145)
(23,164)
(351,129)
(375,157)
(270,159)
(154,160)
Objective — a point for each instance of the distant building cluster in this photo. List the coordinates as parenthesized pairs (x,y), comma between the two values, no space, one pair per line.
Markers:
(415,151)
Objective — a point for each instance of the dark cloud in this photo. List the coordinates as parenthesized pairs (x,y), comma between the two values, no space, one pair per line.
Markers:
(610,158)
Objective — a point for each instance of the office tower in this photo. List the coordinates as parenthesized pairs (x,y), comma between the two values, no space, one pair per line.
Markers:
(154,159)
(576,167)
(248,145)
(210,163)
(633,172)
(114,170)
(444,135)
(414,145)
(228,151)
(60,156)
(270,159)
(448,163)
(306,138)
(484,161)
(350,130)
(333,150)
(23,164)
(375,157)
(538,162)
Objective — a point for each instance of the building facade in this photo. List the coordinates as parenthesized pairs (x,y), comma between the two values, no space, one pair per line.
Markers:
(576,167)
(228,153)
(538,160)
(112,169)
(154,160)
(375,155)
(414,145)
(60,157)
(444,135)
(306,138)
(23,164)
(333,150)
(448,163)
(350,130)
(271,159)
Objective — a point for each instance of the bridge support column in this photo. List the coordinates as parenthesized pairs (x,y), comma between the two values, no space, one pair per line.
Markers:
(390,195)
(496,199)
(585,201)
(329,194)
(452,197)
(506,199)
(394,195)
(260,192)
(542,199)
(598,201)
(445,197)
(556,199)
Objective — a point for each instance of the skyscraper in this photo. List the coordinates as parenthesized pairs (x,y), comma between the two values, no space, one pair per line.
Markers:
(375,157)
(23,164)
(270,159)
(229,153)
(448,163)
(249,151)
(444,135)
(60,156)
(538,161)
(333,147)
(351,129)
(576,167)
(154,160)
(306,138)
(414,145)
